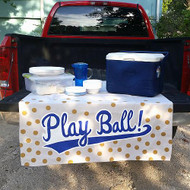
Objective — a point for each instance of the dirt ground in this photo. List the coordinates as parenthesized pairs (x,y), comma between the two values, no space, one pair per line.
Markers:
(133,175)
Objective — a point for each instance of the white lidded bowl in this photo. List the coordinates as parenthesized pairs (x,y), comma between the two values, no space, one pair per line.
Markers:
(92,86)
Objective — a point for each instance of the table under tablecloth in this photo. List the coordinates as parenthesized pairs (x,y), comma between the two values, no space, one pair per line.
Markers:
(61,129)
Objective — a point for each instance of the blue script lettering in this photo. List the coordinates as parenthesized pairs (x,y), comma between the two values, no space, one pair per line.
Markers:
(49,124)
(122,129)
(52,121)
(105,127)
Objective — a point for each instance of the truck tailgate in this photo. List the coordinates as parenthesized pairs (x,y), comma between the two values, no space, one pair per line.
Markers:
(181,101)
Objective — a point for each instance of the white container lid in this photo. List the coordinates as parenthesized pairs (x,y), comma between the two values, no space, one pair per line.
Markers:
(46,70)
(36,78)
(143,57)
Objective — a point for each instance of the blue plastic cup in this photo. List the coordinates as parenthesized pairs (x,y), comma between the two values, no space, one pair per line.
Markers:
(81,73)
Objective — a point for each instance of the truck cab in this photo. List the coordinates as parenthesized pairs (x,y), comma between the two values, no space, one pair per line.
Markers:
(98,19)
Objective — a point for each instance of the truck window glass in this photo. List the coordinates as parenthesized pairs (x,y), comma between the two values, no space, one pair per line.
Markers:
(98,21)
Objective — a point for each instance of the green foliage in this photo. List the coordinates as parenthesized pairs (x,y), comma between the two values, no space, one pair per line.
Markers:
(37,31)
(175,22)
(165,5)
(11,3)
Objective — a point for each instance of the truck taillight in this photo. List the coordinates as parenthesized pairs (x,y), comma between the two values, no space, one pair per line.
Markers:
(185,82)
(5,68)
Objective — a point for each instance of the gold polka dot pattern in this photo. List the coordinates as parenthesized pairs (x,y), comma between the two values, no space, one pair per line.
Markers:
(50,153)
(24,113)
(37,143)
(113,104)
(37,121)
(128,145)
(147,143)
(144,151)
(87,159)
(28,140)
(142,104)
(34,110)
(35,132)
(27,164)
(29,123)
(29,150)
(149,147)
(89,150)
(86,113)
(33,160)
(136,147)
(22,155)
(74,111)
(163,157)
(170,110)
(139,139)
(44,161)
(38,152)
(147,120)
(58,159)
(67,153)
(99,153)
(23,131)
(157,127)
(70,162)
(48,107)
(102,144)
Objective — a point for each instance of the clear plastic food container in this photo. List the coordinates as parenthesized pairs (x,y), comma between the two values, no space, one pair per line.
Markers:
(43,85)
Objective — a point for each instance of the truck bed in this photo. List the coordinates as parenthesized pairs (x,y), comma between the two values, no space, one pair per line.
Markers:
(37,51)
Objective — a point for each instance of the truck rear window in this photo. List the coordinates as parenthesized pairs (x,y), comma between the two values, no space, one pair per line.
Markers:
(98,21)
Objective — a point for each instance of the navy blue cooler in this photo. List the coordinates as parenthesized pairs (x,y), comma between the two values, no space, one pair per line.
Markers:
(135,73)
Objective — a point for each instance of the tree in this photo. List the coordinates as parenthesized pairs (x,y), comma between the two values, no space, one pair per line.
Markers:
(11,3)
(175,21)
(165,5)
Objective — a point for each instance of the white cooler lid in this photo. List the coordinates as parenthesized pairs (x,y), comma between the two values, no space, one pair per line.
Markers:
(143,57)
(46,70)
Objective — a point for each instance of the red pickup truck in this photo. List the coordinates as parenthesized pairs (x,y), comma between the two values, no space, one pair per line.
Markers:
(78,19)
(86,31)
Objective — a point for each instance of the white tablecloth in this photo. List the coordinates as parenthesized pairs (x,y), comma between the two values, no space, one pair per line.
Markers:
(61,129)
